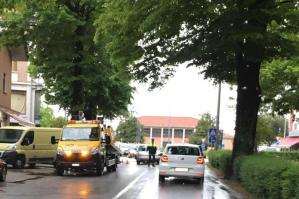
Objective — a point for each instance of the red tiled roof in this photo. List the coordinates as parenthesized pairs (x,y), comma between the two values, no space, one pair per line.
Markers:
(165,121)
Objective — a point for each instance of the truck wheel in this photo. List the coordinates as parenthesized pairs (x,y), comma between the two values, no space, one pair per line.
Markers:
(109,168)
(138,162)
(20,162)
(100,169)
(32,165)
(3,174)
(114,167)
(59,171)
(161,179)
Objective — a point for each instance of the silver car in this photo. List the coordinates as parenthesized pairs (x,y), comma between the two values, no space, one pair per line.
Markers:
(183,161)
(142,154)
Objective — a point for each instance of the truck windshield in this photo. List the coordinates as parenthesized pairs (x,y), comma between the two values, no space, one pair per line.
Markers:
(82,133)
(10,135)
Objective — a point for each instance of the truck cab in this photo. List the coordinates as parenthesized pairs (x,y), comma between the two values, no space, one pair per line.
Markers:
(82,147)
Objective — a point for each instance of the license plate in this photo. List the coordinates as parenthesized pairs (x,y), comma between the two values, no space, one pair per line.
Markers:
(181,169)
(76,165)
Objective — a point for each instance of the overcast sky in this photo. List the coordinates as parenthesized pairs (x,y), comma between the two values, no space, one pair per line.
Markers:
(187,94)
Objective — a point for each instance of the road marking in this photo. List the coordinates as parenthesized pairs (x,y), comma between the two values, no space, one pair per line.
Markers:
(127,188)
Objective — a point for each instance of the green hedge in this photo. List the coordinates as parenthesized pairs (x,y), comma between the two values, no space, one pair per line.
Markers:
(269,177)
(265,175)
(290,155)
(221,160)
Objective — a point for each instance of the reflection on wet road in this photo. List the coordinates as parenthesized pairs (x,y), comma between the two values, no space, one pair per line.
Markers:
(130,181)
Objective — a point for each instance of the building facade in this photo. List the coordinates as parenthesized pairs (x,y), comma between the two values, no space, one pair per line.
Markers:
(293,121)
(25,93)
(5,84)
(7,57)
(166,129)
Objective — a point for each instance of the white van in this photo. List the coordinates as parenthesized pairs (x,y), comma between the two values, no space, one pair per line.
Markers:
(28,145)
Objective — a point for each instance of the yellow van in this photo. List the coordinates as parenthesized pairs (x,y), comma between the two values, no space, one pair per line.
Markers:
(28,145)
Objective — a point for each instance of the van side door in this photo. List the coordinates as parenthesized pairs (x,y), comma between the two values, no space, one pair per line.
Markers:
(28,145)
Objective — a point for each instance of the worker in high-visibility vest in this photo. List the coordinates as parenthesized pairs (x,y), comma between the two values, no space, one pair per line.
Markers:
(152,149)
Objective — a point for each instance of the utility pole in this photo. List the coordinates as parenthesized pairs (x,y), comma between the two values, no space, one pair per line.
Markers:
(217,117)
(285,127)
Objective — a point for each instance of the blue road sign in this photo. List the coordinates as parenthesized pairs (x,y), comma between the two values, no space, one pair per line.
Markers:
(212,135)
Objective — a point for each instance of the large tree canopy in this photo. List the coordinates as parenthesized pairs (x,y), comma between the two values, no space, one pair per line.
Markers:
(58,36)
(280,83)
(227,39)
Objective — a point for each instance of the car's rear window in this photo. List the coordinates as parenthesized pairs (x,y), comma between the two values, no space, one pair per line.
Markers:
(182,150)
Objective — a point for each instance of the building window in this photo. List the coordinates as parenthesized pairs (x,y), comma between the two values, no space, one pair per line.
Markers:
(14,66)
(146,132)
(4,83)
(156,132)
(188,132)
(178,133)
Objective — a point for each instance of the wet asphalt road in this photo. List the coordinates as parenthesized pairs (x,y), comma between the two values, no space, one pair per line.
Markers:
(128,182)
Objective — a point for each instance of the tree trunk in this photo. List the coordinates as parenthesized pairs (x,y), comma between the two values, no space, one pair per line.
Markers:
(248,101)
(90,112)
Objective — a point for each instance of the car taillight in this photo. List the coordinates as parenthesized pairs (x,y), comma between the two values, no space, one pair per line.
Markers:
(164,158)
(200,160)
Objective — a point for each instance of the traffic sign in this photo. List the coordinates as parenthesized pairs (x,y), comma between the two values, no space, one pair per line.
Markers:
(212,133)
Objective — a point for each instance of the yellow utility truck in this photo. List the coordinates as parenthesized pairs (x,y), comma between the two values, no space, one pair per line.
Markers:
(28,145)
(86,145)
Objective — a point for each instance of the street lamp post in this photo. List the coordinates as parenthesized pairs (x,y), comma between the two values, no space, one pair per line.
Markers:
(218,114)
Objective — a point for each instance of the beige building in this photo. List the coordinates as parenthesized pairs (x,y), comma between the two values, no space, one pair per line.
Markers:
(167,129)
(25,93)
(228,141)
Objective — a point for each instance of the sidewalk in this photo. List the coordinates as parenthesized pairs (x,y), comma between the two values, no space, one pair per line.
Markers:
(233,188)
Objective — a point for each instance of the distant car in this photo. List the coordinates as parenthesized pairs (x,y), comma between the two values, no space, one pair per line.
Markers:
(183,161)
(269,149)
(142,154)
(132,152)
(124,148)
(3,170)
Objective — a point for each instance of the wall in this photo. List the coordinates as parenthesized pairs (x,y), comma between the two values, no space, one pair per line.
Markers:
(5,67)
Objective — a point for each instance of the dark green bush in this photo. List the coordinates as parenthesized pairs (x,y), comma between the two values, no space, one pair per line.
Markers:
(221,159)
(265,175)
(269,177)
(290,182)
(261,175)
(290,155)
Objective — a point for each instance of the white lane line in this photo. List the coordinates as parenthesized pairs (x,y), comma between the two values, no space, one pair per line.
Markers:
(127,188)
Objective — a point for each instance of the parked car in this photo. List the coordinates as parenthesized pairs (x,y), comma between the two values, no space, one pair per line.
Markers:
(132,151)
(142,154)
(124,148)
(3,170)
(183,161)
(264,148)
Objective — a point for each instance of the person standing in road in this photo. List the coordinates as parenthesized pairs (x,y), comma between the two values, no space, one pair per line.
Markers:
(152,149)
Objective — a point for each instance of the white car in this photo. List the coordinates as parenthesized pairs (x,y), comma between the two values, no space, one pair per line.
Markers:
(183,161)
(142,154)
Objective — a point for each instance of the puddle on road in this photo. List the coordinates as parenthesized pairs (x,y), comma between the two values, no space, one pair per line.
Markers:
(27,179)
(214,188)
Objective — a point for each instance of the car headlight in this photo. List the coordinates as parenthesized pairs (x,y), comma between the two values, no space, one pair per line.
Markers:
(59,151)
(94,151)
(11,147)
